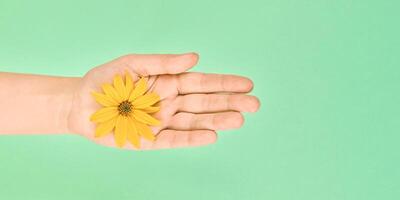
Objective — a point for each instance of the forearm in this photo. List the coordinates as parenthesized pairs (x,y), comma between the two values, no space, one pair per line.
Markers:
(35,103)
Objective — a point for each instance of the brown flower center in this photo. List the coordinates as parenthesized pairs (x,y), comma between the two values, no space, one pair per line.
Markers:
(125,108)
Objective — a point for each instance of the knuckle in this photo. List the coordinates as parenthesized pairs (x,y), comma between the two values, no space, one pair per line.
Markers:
(230,101)
(222,82)
(203,81)
(216,121)
(167,62)
(207,102)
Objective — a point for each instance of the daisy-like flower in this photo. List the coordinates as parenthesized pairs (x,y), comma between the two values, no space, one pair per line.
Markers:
(127,111)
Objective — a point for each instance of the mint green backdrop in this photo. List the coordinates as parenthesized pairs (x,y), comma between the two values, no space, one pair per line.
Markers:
(326,72)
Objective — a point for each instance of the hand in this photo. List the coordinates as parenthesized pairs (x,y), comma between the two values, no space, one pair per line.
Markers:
(193,105)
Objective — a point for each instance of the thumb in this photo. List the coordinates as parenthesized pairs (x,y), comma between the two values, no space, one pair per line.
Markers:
(156,64)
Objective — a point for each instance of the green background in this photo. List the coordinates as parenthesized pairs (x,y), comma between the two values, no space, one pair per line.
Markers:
(326,72)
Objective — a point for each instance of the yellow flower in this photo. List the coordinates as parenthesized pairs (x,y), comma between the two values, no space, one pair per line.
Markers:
(126,110)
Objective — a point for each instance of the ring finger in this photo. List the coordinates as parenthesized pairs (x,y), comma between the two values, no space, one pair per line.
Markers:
(205,103)
(212,121)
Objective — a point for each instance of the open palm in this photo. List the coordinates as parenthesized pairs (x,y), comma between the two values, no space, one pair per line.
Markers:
(193,105)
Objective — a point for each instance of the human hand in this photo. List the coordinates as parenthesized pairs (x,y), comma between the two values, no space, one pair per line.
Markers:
(193,105)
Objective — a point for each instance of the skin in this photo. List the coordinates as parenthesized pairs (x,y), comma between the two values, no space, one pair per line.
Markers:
(193,105)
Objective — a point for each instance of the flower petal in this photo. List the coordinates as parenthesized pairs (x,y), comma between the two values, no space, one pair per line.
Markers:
(133,135)
(145,118)
(120,87)
(104,128)
(128,83)
(109,90)
(144,131)
(121,131)
(104,99)
(104,114)
(151,109)
(140,89)
(146,100)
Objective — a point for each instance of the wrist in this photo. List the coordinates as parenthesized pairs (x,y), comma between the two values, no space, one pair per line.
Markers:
(66,99)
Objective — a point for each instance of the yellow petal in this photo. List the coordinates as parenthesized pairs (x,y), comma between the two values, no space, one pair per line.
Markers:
(146,100)
(128,83)
(104,114)
(144,131)
(104,99)
(112,92)
(145,118)
(133,135)
(104,128)
(140,89)
(120,87)
(151,109)
(121,131)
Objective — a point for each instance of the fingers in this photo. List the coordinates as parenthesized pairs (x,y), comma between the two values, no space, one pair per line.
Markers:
(168,139)
(194,82)
(156,64)
(214,121)
(203,103)
(177,139)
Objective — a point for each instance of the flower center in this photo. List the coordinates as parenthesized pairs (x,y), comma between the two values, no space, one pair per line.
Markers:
(125,108)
